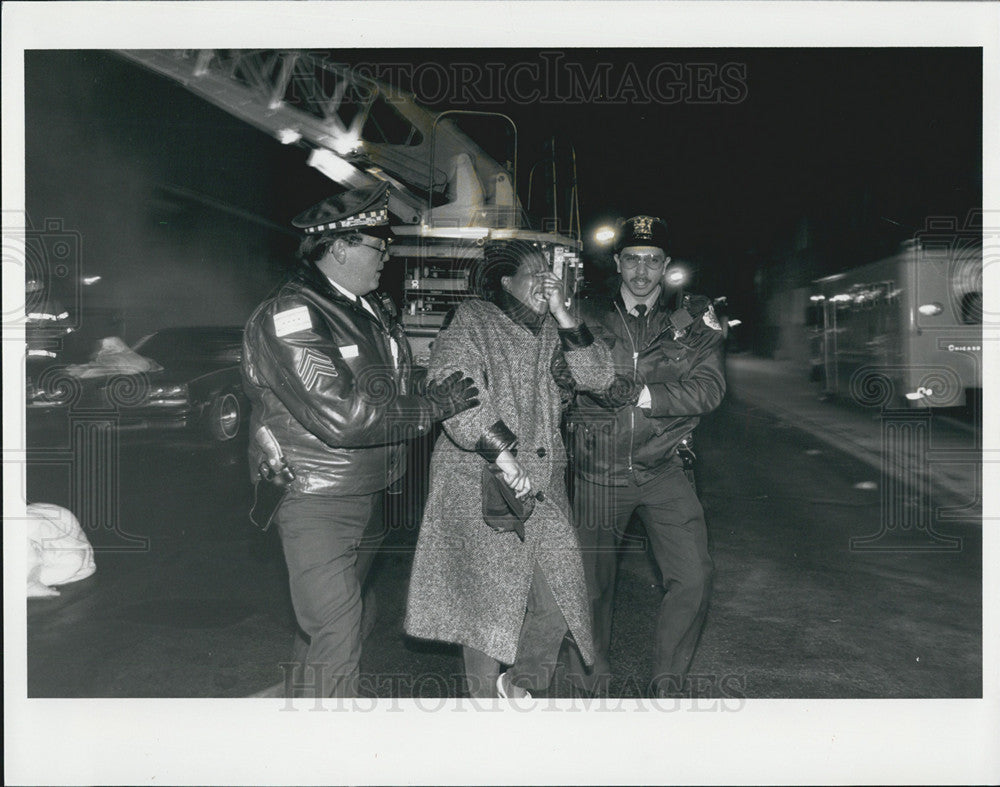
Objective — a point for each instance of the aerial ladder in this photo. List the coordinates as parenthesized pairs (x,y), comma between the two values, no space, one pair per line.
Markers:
(449,197)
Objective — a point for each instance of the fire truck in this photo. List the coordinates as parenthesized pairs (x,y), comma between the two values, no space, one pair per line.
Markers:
(905,330)
(449,198)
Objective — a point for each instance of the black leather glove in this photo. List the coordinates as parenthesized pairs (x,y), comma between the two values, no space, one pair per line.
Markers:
(622,392)
(451,395)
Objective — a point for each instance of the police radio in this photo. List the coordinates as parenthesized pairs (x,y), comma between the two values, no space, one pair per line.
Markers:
(567,266)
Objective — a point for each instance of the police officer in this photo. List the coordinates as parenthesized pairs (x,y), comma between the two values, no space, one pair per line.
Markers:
(630,443)
(329,376)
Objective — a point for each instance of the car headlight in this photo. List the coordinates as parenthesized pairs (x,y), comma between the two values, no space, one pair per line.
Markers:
(168,394)
(43,397)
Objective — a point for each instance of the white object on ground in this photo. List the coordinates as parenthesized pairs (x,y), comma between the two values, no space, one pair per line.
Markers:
(58,550)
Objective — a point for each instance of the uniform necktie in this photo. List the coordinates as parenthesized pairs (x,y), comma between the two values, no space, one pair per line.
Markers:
(640,310)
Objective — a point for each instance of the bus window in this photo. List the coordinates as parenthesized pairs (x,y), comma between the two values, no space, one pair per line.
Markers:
(814,315)
(972,308)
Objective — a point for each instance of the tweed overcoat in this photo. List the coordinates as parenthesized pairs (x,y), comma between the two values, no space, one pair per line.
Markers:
(469,583)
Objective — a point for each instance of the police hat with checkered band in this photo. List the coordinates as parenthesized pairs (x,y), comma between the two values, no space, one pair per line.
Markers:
(642,231)
(358,210)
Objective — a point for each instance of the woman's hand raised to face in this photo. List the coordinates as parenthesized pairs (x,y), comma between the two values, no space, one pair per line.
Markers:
(552,287)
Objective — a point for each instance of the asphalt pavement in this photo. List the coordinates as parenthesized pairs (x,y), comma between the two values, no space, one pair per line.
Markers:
(834,579)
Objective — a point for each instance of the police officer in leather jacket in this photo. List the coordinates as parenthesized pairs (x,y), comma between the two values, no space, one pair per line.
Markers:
(329,375)
(630,445)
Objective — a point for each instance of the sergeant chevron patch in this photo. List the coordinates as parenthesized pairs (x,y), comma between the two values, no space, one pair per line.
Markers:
(313,367)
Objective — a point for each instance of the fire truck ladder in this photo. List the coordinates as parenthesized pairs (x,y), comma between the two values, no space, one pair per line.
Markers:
(359,131)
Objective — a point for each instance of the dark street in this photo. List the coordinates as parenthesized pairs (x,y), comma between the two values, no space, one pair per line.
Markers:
(753,247)
(203,609)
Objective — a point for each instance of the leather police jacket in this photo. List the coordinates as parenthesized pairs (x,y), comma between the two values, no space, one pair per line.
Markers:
(319,373)
(680,361)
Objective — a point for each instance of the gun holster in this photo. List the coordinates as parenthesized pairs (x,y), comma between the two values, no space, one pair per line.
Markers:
(267,498)
(685,450)
(270,488)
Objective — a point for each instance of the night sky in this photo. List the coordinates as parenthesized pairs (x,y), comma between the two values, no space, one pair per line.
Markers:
(781,164)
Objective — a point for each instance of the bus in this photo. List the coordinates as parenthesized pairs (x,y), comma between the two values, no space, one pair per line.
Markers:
(905,331)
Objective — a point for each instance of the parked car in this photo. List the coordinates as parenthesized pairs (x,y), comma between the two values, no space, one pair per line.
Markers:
(192,384)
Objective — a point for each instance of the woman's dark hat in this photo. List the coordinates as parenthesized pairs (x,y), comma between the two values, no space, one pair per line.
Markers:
(362,210)
(642,231)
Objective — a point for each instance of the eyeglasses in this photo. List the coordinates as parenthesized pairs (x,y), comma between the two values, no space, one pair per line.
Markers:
(648,261)
(382,245)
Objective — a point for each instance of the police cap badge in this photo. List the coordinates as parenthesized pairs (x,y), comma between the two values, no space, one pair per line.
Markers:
(642,231)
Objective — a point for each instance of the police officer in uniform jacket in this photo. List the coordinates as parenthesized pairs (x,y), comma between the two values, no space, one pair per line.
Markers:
(630,444)
(329,374)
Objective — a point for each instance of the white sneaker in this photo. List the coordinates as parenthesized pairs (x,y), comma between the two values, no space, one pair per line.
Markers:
(507,690)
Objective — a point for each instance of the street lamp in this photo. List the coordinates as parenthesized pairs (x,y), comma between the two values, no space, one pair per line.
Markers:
(604,235)
(676,276)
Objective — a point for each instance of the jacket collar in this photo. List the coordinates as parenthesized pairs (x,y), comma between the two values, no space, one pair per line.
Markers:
(313,278)
(310,276)
(630,301)
(520,313)
(660,306)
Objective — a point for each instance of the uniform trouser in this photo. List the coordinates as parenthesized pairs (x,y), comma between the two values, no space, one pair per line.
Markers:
(329,543)
(541,636)
(675,526)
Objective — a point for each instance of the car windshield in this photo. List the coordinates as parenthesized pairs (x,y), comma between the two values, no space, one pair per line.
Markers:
(172,347)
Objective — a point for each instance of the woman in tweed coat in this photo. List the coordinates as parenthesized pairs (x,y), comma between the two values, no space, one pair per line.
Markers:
(472,585)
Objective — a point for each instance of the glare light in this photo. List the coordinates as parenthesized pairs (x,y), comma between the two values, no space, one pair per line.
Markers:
(817,298)
(920,393)
(676,276)
(346,143)
(734,323)
(604,235)
(167,395)
(88,280)
(169,390)
(333,166)
(288,136)
(930,309)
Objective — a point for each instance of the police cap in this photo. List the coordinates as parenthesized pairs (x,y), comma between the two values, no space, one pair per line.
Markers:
(642,231)
(359,210)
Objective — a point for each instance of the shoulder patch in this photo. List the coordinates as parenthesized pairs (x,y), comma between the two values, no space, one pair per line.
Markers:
(710,319)
(696,304)
(313,367)
(292,321)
